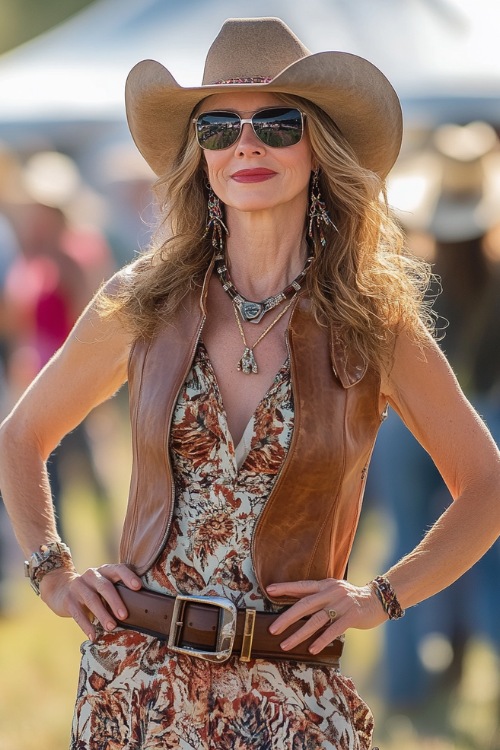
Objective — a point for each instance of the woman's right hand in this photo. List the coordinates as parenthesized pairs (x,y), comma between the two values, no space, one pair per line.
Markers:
(89,597)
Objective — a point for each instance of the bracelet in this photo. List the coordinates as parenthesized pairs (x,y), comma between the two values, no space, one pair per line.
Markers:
(49,557)
(388,598)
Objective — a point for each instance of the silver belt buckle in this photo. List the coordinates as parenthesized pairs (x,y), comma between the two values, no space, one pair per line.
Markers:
(226,629)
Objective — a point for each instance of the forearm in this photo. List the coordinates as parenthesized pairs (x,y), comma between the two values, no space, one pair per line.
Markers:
(464,532)
(26,491)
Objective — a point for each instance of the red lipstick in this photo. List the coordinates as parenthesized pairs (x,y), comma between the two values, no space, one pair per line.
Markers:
(259,174)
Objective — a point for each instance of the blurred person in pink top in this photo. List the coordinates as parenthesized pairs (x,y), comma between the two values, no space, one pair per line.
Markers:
(58,268)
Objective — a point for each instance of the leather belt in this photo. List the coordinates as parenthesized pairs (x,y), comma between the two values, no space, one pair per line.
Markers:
(211,628)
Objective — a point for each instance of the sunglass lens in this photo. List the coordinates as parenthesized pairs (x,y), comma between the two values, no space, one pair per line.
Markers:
(278,127)
(217,130)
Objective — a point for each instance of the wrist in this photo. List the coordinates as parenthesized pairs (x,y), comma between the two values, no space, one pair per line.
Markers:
(49,557)
(386,595)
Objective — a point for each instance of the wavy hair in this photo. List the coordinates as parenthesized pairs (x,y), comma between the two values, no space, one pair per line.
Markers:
(363,281)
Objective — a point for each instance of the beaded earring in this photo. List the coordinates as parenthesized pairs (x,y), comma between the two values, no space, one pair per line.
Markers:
(215,221)
(317,214)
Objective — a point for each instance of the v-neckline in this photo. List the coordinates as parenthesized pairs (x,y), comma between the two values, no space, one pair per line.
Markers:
(245,434)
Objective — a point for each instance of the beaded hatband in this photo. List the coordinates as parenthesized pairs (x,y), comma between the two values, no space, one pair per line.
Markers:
(253,79)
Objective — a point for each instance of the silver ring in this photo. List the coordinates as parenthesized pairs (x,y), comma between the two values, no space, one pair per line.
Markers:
(331,614)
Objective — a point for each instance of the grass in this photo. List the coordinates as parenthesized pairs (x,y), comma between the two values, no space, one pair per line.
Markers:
(39,652)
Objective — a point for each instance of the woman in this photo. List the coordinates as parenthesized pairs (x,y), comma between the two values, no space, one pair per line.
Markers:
(255,403)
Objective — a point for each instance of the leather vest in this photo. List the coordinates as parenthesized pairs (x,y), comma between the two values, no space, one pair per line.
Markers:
(307,526)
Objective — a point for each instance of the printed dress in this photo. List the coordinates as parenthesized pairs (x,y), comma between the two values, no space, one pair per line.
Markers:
(133,693)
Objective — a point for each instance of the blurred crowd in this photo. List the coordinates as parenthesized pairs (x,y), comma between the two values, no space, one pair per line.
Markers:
(61,236)
(446,193)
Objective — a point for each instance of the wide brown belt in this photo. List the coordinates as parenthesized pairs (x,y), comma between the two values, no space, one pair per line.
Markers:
(213,629)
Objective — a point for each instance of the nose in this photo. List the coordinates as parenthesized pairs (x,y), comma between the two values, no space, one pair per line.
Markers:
(248,141)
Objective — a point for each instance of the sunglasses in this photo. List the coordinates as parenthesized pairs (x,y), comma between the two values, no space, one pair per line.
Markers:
(277,127)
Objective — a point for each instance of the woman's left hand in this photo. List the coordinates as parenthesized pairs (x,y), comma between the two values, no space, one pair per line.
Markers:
(354,607)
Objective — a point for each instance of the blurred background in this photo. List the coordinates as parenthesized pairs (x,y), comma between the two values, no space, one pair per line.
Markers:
(75,204)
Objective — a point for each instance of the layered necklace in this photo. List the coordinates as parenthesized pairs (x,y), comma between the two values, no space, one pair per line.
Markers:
(247,363)
(253,312)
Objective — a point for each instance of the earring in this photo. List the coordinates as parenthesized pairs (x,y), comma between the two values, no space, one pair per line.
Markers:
(317,213)
(215,221)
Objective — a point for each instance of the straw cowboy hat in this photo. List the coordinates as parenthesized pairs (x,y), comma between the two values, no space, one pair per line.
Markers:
(263,54)
(451,188)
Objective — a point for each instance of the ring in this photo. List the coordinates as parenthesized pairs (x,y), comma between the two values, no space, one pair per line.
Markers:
(332,614)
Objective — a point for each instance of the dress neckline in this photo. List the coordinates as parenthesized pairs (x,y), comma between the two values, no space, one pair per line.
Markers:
(244,446)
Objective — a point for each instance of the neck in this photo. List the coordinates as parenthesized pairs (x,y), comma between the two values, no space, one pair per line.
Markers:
(263,260)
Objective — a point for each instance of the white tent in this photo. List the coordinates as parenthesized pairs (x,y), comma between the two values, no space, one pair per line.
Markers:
(441,55)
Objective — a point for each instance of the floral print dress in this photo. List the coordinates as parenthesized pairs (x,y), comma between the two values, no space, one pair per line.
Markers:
(133,693)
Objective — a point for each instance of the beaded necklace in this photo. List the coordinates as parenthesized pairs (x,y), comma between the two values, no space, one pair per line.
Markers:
(253,312)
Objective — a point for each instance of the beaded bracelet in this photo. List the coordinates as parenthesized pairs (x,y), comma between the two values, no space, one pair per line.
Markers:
(388,598)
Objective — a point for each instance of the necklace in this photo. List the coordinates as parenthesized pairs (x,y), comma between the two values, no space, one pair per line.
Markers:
(253,312)
(247,363)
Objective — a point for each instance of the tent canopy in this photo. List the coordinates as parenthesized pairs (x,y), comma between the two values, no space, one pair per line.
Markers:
(441,55)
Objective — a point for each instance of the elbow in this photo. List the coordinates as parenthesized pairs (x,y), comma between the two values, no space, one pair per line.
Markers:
(5,443)
(17,440)
(8,439)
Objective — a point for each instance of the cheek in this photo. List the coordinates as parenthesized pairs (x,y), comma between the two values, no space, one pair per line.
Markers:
(214,168)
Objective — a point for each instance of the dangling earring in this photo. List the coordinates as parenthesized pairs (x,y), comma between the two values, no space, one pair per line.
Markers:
(317,213)
(215,221)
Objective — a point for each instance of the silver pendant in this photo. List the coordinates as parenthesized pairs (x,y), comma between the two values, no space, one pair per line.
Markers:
(253,312)
(247,363)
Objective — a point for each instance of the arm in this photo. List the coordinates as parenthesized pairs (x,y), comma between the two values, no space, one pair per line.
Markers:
(87,370)
(428,398)
(423,390)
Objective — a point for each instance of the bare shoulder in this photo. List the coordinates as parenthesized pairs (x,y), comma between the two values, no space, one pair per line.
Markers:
(413,361)
(99,325)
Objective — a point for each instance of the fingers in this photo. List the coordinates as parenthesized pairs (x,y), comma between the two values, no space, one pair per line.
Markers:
(92,597)
(99,595)
(121,573)
(294,589)
(316,597)
(328,635)
(316,622)
(331,606)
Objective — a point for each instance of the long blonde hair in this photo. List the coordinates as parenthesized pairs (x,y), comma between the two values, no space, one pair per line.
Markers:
(362,281)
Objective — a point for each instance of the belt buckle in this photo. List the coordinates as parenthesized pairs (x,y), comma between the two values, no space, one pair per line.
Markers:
(226,629)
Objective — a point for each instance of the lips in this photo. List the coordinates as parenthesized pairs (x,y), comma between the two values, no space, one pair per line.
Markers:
(253,175)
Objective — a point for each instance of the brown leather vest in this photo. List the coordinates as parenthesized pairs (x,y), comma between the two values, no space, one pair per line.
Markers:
(308,524)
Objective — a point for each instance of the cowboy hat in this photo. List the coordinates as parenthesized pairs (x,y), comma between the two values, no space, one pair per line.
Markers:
(263,54)
(451,188)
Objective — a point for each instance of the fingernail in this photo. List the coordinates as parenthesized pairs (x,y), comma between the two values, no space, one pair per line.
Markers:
(122,614)
(90,637)
(136,584)
(271,587)
(110,625)
(273,629)
(313,650)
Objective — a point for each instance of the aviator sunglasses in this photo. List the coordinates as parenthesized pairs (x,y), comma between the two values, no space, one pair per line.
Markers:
(277,127)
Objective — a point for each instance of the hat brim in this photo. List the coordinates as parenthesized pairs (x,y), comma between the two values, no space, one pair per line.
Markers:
(352,91)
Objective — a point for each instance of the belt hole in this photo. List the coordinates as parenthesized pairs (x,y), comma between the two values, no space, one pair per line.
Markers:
(146,611)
